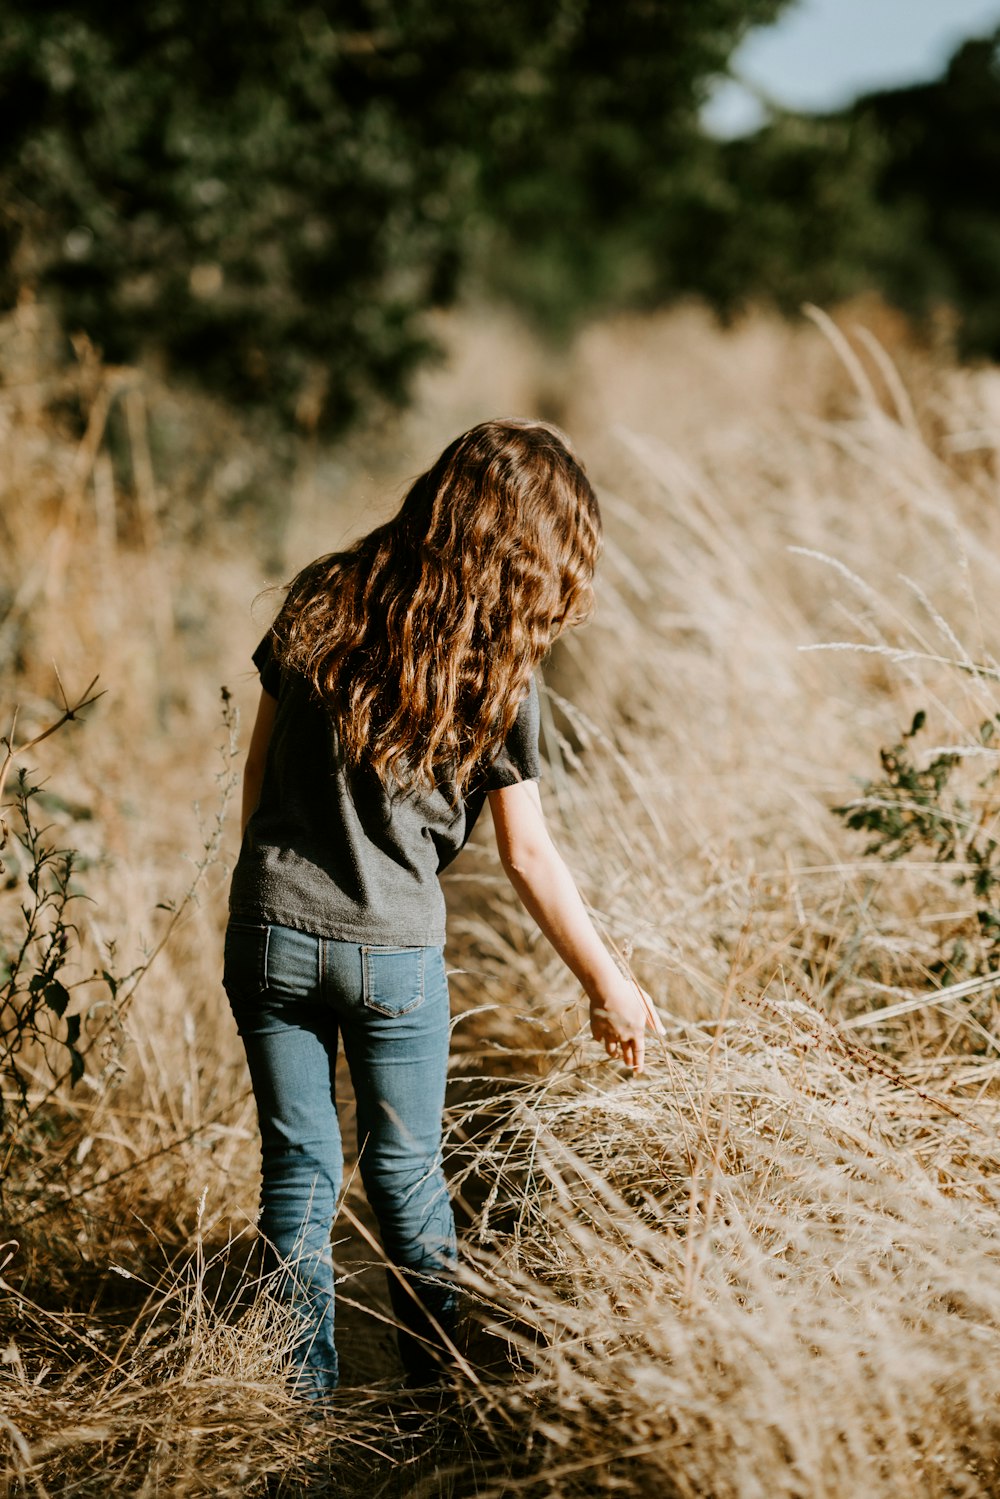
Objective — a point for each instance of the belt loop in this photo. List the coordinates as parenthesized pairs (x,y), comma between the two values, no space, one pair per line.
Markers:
(321,965)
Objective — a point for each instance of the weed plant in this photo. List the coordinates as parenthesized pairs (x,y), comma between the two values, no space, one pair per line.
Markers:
(915,808)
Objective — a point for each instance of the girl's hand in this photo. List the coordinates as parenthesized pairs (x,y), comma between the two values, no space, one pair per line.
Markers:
(619,1019)
(619,1009)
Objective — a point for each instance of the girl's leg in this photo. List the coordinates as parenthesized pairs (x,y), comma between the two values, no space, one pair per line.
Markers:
(272,977)
(396,1033)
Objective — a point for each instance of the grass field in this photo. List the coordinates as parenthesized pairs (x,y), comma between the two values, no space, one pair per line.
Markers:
(767,1269)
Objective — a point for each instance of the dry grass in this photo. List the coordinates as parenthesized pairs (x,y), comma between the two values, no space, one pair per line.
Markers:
(770,1267)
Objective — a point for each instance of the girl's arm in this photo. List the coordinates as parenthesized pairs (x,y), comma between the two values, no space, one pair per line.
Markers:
(619,1010)
(253,773)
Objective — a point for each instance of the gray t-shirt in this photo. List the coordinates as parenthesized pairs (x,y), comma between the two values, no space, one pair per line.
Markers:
(329,851)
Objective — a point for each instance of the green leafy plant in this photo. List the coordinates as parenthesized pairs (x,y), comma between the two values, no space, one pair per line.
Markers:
(56,1009)
(38,947)
(34,997)
(914,807)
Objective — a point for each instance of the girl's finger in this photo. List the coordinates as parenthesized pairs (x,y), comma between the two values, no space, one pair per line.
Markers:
(652,1019)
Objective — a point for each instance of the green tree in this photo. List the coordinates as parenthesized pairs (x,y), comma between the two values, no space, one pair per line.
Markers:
(787,216)
(270,193)
(894,193)
(941,162)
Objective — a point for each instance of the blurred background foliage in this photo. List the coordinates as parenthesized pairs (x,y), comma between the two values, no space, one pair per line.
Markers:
(895,194)
(269,195)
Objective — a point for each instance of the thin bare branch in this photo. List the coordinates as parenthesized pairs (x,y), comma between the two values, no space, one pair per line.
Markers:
(69,714)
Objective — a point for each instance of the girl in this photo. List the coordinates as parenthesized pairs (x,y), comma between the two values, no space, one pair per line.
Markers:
(397,698)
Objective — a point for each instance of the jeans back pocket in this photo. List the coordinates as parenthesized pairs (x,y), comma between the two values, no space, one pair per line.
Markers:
(244,964)
(393,979)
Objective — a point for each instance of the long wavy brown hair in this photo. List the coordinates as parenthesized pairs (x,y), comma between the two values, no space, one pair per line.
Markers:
(420,640)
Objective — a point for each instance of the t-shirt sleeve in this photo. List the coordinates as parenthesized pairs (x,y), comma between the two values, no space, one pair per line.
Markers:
(267,666)
(518,757)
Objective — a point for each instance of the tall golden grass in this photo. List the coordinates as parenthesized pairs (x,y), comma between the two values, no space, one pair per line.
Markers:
(769,1267)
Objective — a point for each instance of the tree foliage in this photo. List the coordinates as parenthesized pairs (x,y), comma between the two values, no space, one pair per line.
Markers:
(270,193)
(938,184)
(895,194)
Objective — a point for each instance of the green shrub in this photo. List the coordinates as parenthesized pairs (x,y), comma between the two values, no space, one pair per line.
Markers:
(914,808)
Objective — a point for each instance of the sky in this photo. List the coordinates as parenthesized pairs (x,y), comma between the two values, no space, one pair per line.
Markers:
(822,54)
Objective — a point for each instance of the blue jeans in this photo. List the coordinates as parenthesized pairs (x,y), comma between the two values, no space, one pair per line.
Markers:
(293,995)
